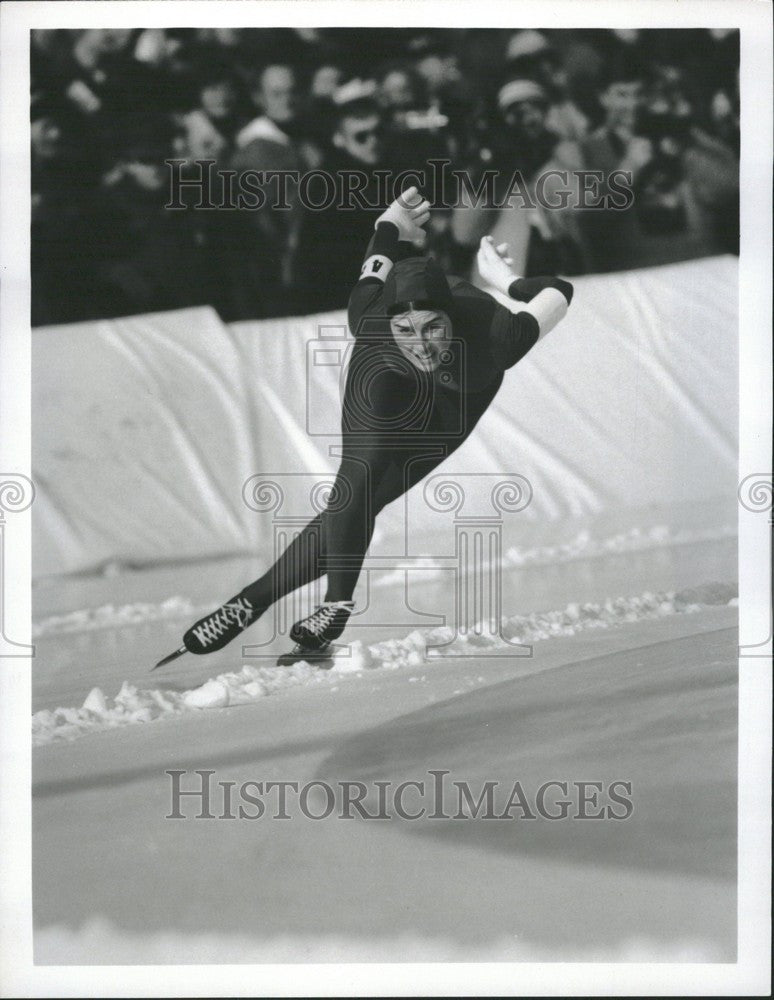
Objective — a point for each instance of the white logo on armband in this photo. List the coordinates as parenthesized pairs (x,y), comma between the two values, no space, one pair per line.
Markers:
(376,266)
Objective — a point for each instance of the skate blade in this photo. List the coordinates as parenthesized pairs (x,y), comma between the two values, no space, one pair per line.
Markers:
(170,658)
(305,656)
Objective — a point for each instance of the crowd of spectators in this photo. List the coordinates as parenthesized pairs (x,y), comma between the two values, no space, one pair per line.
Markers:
(111,107)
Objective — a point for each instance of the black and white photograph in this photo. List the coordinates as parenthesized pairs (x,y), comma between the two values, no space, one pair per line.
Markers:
(385,498)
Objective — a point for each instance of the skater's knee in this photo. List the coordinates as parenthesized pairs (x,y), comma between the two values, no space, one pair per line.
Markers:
(354,486)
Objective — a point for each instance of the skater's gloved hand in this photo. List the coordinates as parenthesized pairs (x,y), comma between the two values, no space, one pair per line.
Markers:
(495,264)
(409,212)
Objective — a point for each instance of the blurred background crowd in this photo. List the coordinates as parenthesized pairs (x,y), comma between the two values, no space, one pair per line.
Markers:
(109,107)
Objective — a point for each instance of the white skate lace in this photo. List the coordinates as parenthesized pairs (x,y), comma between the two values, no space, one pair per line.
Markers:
(323,616)
(238,612)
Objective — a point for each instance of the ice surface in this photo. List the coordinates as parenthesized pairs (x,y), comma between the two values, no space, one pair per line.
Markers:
(652,702)
(132,705)
(64,946)
(583,546)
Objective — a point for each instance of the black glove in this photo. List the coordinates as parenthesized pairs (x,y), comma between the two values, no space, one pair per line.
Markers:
(385,241)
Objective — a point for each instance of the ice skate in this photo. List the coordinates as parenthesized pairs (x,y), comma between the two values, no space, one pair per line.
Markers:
(216,629)
(315,634)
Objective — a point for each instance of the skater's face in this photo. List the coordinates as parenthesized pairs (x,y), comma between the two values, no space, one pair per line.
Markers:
(422,335)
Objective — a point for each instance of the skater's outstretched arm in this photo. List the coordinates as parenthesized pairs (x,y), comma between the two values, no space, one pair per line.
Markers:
(546,299)
(398,234)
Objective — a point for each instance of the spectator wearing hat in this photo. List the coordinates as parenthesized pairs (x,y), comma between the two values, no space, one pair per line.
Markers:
(541,240)
(683,181)
(531,56)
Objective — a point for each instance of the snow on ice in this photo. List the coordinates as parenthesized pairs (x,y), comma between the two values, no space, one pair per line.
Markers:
(132,705)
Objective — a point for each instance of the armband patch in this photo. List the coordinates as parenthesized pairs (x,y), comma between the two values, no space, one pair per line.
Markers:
(376,266)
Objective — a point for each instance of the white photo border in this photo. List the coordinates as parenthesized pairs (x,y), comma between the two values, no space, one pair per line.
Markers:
(750,974)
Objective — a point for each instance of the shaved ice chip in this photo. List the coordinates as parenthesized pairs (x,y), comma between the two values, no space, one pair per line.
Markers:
(416,639)
(95,702)
(439,636)
(352,659)
(212,694)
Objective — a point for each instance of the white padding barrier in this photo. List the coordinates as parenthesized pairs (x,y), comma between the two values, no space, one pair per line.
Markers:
(146,429)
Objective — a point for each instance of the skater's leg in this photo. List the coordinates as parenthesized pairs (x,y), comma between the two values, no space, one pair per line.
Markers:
(348,532)
(298,565)
(303,561)
(349,521)
(347,527)
(381,472)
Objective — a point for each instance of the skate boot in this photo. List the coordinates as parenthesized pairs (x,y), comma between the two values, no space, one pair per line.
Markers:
(217,629)
(314,634)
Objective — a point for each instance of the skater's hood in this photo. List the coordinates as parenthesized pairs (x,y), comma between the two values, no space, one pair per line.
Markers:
(416,283)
